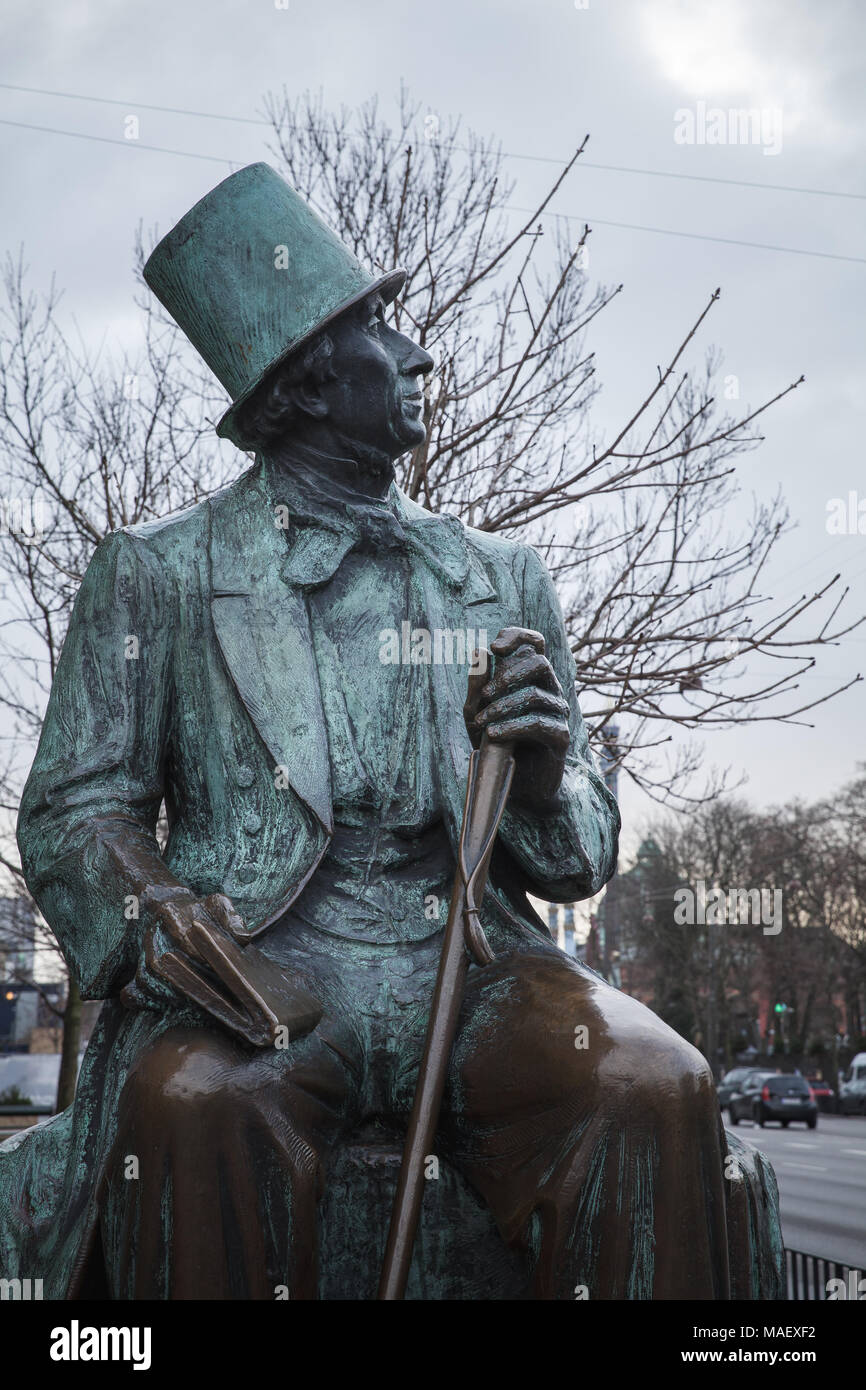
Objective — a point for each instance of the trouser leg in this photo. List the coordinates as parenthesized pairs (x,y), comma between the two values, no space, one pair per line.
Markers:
(212,1185)
(592,1131)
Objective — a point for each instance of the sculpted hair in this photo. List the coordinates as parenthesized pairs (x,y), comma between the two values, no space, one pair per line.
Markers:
(271,411)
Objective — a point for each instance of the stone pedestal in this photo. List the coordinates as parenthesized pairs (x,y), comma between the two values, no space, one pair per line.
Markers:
(459,1253)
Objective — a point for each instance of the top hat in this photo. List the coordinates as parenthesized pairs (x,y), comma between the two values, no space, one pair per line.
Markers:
(250,274)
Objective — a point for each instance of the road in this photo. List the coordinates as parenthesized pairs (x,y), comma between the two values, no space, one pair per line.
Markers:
(822,1183)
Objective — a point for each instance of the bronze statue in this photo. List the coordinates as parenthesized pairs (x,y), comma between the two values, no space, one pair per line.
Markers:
(268,978)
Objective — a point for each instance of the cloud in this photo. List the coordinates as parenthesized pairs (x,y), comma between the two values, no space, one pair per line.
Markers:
(777,54)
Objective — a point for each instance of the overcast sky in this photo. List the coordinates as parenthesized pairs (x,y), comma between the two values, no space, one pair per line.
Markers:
(537,75)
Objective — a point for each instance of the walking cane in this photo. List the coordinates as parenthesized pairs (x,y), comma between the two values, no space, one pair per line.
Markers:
(490,771)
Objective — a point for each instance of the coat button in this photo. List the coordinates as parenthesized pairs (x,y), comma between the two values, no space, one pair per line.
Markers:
(253,824)
(245,776)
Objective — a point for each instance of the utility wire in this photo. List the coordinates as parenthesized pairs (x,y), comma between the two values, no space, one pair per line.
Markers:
(569,217)
(508,154)
(135,105)
(112,140)
(697,236)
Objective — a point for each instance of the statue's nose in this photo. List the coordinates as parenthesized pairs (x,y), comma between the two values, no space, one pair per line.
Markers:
(416,360)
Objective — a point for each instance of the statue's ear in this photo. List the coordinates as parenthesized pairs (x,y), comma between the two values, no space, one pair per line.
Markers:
(309,398)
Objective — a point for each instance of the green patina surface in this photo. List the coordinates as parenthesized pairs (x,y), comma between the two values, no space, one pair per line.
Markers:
(231,679)
(273,273)
(224,627)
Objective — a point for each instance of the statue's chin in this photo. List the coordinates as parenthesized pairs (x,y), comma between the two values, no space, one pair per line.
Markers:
(413,434)
(379,459)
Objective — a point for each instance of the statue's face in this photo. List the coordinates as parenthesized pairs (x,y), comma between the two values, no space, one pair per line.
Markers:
(376,396)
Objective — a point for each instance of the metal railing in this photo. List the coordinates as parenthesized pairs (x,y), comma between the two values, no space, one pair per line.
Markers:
(808,1278)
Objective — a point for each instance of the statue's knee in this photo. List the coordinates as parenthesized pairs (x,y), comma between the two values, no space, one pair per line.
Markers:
(683,1067)
(627,1062)
(184,1073)
(670,1080)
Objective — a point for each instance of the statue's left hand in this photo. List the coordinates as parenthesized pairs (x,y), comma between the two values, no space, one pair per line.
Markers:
(167,933)
(522,703)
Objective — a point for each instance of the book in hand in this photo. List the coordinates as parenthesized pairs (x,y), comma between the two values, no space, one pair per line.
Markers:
(239,987)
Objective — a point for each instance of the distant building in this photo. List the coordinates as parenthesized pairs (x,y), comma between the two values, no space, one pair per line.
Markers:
(568,924)
(19,1007)
(17,939)
(30,1017)
(592,938)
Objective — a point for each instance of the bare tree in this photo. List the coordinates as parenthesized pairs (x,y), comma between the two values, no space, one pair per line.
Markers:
(670,624)
(703,971)
(706,978)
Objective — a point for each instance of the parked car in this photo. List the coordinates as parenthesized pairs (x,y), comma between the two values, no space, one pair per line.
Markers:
(742,1100)
(852,1097)
(730,1082)
(785,1098)
(767,1095)
(823,1093)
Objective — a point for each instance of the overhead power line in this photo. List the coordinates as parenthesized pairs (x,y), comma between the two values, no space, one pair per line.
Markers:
(697,236)
(134,105)
(112,140)
(568,217)
(508,154)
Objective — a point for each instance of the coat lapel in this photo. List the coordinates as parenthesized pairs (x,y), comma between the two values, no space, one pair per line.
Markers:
(263,628)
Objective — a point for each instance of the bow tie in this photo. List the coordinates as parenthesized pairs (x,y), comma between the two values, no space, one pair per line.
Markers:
(321,535)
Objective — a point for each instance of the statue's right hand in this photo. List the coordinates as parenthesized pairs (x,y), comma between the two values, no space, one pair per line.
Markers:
(168,930)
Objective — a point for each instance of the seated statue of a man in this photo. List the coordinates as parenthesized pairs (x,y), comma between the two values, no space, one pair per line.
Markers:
(232,663)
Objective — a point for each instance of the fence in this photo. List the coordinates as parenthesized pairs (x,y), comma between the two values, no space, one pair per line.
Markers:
(809,1278)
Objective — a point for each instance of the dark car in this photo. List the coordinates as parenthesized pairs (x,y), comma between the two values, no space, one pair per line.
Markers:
(782,1098)
(742,1100)
(825,1096)
(731,1082)
(852,1097)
